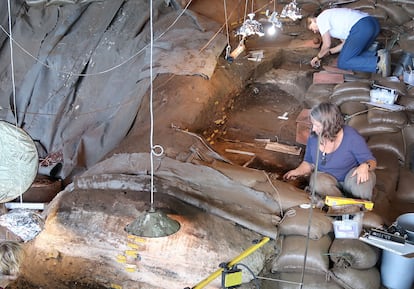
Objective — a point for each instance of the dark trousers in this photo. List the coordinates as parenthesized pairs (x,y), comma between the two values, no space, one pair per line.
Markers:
(355,54)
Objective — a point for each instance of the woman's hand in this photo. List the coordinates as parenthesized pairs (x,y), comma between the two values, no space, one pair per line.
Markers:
(315,62)
(362,173)
(292,175)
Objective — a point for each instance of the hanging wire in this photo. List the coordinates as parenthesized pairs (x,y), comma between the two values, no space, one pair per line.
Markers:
(12,61)
(13,84)
(228,47)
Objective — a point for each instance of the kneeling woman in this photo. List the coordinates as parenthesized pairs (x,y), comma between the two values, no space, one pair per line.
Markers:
(345,164)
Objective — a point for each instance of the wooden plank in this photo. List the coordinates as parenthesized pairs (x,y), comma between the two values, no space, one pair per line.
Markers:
(333,69)
(240,152)
(287,149)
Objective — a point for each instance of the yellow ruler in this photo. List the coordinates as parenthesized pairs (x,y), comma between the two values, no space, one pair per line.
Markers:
(340,201)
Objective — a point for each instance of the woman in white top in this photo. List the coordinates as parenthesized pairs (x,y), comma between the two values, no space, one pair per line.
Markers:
(357,31)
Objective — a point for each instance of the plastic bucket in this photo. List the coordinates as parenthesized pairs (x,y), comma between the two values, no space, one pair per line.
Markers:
(406,221)
(396,271)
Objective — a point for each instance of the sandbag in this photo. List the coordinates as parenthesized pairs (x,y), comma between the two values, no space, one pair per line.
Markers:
(393,142)
(407,102)
(351,108)
(310,281)
(353,253)
(405,191)
(351,278)
(296,223)
(397,118)
(396,13)
(362,4)
(387,181)
(372,220)
(385,159)
(291,258)
(360,123)
(378,13)
(351,95)
(317,93)
(351,86)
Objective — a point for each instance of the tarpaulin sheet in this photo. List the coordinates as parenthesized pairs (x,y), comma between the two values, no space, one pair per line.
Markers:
(81,71)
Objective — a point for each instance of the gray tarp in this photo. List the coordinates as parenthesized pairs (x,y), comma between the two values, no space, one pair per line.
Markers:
(81,71)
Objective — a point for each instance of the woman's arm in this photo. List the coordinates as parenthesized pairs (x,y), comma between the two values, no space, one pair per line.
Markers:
(303,169)
(326,45)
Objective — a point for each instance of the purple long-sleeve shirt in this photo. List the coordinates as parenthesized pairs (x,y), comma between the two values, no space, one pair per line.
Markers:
(352,151)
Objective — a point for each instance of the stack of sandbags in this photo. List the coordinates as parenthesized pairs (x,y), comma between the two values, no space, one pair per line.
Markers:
(383,130)
(303,232)
(290,262)
(354,264)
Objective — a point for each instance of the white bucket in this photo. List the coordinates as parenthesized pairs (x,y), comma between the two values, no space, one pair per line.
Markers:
(396,271)
(408,77)
(406,221)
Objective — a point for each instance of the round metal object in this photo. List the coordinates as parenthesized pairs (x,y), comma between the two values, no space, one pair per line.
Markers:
(18,161)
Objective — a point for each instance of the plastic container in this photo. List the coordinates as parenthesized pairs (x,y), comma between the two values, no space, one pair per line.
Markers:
(347,228)
(396,271)
(406,221)
(409,77)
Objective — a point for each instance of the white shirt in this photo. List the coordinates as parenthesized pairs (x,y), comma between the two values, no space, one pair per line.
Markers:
(338,21)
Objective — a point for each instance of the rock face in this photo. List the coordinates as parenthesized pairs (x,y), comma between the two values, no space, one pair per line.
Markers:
(85,243)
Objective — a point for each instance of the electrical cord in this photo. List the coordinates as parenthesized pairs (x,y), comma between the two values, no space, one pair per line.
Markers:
(256,281)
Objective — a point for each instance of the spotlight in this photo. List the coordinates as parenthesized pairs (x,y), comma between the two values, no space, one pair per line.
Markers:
(271,31)
(291,11)
(250,27)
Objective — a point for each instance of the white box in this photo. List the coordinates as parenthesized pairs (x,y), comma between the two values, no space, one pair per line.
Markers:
(347,228)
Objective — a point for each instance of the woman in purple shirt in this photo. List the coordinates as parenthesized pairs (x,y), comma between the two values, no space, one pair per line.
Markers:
(345,163)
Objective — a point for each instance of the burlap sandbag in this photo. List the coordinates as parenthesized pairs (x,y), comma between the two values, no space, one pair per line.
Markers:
(372,220)
(351,95)
(360,123)
(291,258)
(407,102)
(387,181)
(408,134)
(378,13)
(317,93)
(297,220)
(396,13)
(310,281)
(378,116)
(409,9)
(393,142)
(351,108)
(351,278)
(351,86)
(362,4)
(385,159)
(405,191)
(353,253)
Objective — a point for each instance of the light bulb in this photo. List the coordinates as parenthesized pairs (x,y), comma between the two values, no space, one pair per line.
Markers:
(271,31)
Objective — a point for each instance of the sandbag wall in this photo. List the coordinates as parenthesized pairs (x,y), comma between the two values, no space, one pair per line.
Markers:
(330,262)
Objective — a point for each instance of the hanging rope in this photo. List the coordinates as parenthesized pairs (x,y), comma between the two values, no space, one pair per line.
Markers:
(12,61)
(154,150)
(228,48)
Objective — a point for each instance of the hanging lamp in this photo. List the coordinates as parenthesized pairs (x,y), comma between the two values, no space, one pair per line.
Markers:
(154,223)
